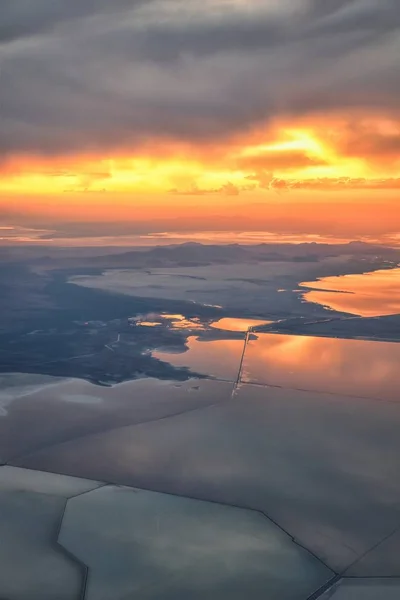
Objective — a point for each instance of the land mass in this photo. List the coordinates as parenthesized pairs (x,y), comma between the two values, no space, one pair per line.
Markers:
(76,316)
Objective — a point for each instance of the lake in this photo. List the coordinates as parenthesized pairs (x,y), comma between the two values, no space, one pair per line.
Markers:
(337,366)
(367,294)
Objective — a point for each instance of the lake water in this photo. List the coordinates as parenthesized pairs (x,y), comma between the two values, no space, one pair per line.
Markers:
(234,324)
(340,366)
(36,413)
(366,294)
(216,358)
(177,321)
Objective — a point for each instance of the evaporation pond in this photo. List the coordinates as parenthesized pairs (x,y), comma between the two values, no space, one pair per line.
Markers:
(341,366)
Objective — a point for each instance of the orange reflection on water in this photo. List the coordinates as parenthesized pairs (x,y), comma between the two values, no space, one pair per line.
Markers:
(349,367)
(172,317)
(217,358)
(367,294)
(180,322)
(175,321)
(186,324)
(234,324)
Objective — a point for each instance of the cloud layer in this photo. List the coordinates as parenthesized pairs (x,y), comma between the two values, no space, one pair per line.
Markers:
(94,75)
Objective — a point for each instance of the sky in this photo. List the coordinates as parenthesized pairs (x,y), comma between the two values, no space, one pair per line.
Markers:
(143,119)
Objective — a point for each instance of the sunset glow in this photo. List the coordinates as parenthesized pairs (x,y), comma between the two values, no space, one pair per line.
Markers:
(291,155)
(206,129)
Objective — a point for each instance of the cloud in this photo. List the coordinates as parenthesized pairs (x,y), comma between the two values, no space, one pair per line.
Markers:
(279,161)
(334,184)
(20,234)
(86,180)
(93,75)
(261,178)
(21,18)
(229,189)
(377,141)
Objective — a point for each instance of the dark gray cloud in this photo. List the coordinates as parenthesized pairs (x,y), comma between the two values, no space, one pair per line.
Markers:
(21,18)
(91,74)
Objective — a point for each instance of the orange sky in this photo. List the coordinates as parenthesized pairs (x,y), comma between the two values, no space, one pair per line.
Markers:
(320,154)
(294,164)
(225,115)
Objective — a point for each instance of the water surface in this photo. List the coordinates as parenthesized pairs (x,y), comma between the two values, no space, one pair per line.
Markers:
(216,358)
(342,366)
(53,413)
(323,466)
(153,546)
(235,324)
(366,294)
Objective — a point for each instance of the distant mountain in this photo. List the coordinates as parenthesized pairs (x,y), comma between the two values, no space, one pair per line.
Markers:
(196,254)
(189,254)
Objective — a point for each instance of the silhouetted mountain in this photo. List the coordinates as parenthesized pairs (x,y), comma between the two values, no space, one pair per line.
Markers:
(197,254)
